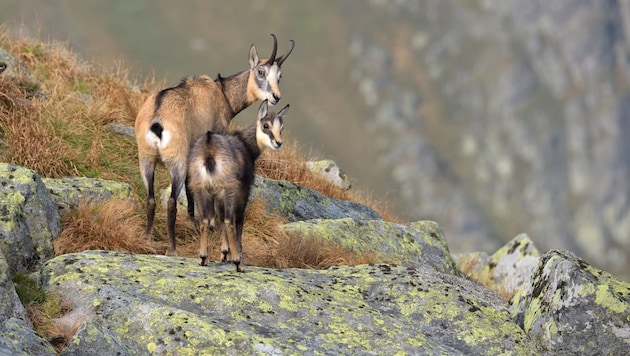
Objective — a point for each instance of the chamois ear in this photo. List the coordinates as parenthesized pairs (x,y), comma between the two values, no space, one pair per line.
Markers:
(253,57)
(262,111)
(283,111)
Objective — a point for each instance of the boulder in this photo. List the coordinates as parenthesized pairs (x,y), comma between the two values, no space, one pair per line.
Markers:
(397,243)
(569,307)
(19,338)
(507,269)
(10,305)
(29,220)
(170,305)
(67,192)
(298,203)
(92,336)
(329,170)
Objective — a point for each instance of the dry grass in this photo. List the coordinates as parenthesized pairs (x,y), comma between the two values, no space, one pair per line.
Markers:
(110,225)
(52,120)
(43,317)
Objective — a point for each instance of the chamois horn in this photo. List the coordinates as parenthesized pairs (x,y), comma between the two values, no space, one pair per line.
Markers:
(283,57)
(272,57)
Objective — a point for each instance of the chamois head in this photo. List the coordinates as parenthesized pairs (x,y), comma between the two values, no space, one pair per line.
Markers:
(269,127)
(265,74)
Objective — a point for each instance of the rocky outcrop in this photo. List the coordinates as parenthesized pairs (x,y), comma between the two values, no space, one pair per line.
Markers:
(401,244)
(331,171)
(167,305)
(572,308)
(132,304)
(298,203)
(29,221)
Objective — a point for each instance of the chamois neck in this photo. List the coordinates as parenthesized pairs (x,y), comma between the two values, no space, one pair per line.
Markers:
(248,136)
(234,89)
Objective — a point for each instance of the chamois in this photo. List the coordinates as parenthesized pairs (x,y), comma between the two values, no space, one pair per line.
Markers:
(169,122)
(221,171)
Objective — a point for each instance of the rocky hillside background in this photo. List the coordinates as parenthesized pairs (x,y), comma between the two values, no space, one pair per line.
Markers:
(491,117)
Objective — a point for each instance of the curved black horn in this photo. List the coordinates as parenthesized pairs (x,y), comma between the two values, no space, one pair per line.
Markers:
(283,57)
(272,57)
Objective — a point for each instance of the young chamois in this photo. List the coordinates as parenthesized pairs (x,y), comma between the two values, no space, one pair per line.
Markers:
(170,121)
(221,171)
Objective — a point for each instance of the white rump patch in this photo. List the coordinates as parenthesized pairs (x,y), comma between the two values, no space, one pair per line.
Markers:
(154,141)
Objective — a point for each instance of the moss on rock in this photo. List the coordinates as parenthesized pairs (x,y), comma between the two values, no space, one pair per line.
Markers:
(29,221)
(572,307)
(67,192)
(398,243)
(171,305)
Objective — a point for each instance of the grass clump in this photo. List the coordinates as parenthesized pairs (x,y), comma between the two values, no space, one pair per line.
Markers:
(43,309)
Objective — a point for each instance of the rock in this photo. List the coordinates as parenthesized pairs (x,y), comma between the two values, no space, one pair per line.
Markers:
(29,221)
(508,268)
(570,307)
(392,242)
(329,169)
(121,129)
(10,305)
(91,336)
(170,305)
(18,338)
(67,192)
(297,203)
(12,65)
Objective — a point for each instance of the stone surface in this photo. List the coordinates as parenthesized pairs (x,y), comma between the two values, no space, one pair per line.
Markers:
(29,220)
(19,338)
(170,305)
(331,171)
(10,305)
(508,268)
(69,191)
(397,243)
(297,203)
(571,308)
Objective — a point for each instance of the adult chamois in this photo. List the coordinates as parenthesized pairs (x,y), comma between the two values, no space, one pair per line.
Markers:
(221,171)
(169,121)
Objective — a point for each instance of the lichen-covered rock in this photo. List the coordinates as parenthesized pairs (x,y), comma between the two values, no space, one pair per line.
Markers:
(29,221)
(329,170)
(13,67)
(92,337)
(508,268)
(572,308)
(298,203)
(19,339)
(170,305)
(392,242)
(67,192)
(10,305)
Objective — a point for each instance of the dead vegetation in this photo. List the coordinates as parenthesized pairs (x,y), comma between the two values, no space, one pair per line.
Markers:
(53,113)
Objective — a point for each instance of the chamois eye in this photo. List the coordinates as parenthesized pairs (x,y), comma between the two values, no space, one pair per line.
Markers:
(261,72)
(266,126)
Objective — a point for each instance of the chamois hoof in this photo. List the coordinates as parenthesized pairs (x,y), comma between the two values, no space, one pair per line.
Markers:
(203,260)
(224,255)
(240,267)
(171,252)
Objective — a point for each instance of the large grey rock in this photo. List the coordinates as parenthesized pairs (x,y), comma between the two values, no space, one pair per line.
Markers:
(10,305)
(572,308)
(170,305)
(401,244)
(297,203)
(29,220)
(17,338)
(329,169)
(91,337)
(67,192)
(507,269)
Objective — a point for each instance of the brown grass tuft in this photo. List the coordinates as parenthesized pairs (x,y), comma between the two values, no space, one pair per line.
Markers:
(110,225)
(43,318)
